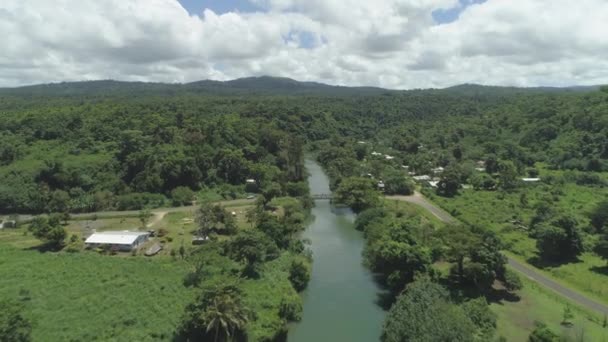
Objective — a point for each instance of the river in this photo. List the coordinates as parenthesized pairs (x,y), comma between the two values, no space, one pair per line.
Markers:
(340,301)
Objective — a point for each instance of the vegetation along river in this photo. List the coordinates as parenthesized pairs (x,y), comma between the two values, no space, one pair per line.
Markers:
(340,301)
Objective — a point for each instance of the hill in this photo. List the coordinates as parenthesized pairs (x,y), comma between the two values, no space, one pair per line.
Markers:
(263,85)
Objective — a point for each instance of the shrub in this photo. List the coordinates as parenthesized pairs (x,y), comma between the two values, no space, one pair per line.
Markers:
(512,281)
(299,274)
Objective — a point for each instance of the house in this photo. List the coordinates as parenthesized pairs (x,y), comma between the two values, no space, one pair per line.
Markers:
(422,178)
(361,142)
(381,185)
(376,154)
(250,181)
(120,240)
(389,157)
(8,224)
(480,169)
(433,184)
(531,180)
(438,170)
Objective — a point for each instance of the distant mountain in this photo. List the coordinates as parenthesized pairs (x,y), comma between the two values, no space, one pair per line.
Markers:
(264,85)
(477,89)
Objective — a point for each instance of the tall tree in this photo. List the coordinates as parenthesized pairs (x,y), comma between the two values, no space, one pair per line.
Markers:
(424,313)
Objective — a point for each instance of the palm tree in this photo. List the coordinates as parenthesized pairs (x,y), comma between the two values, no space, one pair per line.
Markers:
(225,316)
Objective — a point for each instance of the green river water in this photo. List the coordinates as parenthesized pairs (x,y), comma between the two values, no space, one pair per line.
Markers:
(340,301)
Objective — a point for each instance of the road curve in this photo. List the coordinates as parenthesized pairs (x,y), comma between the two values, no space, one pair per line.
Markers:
(520,267)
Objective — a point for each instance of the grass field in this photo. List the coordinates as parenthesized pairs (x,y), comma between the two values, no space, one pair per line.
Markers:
(516,318)
(124,297)
(87,297)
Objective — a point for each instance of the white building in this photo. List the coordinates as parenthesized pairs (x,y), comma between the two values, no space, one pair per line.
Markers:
(531,179)
(438,170)
(388,157)
(376,153)
(422,178)
(121,240)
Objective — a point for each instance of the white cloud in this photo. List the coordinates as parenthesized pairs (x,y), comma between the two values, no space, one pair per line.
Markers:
(389,43)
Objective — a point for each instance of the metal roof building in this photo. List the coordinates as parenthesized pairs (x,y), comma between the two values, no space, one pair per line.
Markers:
(124,240)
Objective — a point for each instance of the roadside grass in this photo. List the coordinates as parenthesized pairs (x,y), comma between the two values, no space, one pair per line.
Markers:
(410,209)
(516,318)
(86,296)
(587,276)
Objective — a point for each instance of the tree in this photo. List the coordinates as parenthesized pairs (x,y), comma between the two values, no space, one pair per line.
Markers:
(182,195)
(450,182)
(560,240)
(214,218)
(144,215)
(397,184)
(599,215)
(601,248)
(542,333)
(483,181)
(478,311)
(358,193)
(14,326)
(252,247)
(459,241)
(53,234)
(567,315)
(424,313)
(217,315)
(507,179)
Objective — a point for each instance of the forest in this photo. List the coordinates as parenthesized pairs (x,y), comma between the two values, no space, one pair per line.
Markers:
(89,147)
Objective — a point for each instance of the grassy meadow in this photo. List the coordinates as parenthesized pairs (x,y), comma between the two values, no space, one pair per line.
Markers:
(99,297)
(516,318)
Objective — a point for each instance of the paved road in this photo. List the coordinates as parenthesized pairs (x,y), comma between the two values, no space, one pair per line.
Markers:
(524,269)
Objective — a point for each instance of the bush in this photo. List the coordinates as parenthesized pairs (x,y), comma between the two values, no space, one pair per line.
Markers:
(290,310)
(299,274)
(512,281)
(137,201)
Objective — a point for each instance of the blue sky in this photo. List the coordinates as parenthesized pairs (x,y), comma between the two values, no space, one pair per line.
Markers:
(224,6)
(218,6)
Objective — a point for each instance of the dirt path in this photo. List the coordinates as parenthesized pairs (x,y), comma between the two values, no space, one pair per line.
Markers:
(517,265)
(158,216)
(135,213)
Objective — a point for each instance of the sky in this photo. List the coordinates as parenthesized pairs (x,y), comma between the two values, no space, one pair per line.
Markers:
(398,44)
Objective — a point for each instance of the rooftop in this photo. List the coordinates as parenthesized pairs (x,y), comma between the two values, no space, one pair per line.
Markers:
(115,237)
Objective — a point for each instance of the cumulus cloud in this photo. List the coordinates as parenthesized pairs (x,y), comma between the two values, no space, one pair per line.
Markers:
(389,43)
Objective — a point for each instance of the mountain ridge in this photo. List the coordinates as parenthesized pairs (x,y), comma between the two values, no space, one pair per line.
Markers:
(261,85)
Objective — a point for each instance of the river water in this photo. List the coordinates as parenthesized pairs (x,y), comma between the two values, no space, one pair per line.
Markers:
(340,301)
